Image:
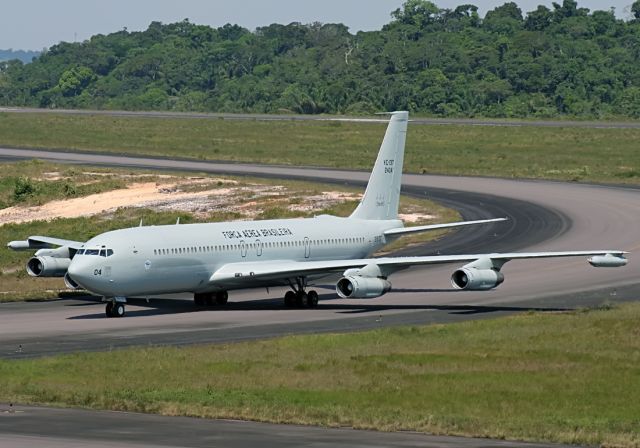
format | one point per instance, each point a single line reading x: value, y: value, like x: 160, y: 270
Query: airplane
x: 208, y: 260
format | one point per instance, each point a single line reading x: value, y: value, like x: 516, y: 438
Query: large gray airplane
x: 208, y: 260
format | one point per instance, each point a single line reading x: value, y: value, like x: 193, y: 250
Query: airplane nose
x: 78, y: 274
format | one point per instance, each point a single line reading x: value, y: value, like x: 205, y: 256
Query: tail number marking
x: 388, y: 166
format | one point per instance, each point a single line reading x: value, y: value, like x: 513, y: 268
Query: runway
x: 543, y: 216
x: 71, y: 428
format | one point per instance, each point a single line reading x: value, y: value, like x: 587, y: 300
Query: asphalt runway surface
x: 297, y: 117
x: 99, y: 429
x: 543, y: 216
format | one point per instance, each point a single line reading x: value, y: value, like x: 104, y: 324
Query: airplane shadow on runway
x: 155, y: 307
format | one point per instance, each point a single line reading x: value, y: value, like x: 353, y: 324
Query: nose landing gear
x: 115, y: 308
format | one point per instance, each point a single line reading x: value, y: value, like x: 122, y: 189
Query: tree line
x: 560, y: 61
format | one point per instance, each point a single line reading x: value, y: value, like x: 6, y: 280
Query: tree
x: 539, y: 19
x: 420, y: 13
x: 635, y: 9
x: 74, y: 80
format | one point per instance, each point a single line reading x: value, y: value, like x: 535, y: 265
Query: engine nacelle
x: 473, y: 279
x: 60, y: 252
x: 357, y: 287
x: 48, y: 266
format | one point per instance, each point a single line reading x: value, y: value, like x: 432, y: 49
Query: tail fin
x: 382, y: 196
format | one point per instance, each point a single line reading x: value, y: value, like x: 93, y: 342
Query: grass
x: 26, y: 183
x: 574, y: 154
x: 561, y: 377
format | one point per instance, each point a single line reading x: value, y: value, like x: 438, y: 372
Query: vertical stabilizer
x: 382, y: 196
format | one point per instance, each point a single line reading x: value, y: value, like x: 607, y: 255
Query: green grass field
x: 575, y: 154
x: 563, y: 377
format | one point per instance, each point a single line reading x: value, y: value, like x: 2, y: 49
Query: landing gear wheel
x: 199, y: 299
x: 208, y: 299
x: 301, y: 299
x: 222, y: 297
x: 312, y: 299
x: 289, y: 299
x: 109, y: 309
x: 118, y: 310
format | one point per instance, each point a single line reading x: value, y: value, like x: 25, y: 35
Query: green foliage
x: 431, y: 60
x: 23, y: 189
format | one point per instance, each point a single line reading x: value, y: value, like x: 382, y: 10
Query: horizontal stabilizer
x: 416, y: 229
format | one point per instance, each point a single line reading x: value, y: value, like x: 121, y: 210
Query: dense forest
x: 560, y: 61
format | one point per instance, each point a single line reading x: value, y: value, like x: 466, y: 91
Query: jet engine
x: 367, y: 282
x: 45, y: 266
x: 357, y: 287
x: 473, y: 279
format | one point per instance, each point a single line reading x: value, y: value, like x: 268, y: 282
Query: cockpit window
x: 100, y: 252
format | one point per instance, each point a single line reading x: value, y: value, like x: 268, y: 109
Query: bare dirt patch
x: 198, y: 195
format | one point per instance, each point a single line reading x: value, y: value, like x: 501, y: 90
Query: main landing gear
x: 115, y: 309
x: 298, y: 297
x: 211, y: 298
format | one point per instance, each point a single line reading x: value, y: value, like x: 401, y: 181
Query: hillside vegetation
x: 558, y: 61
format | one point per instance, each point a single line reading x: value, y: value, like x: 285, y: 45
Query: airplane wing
x: 43, y: 242
x: 415, y: 229
x: 260, y: 272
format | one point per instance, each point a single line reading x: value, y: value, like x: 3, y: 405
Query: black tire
x: 208, y: 299
x: 301, y: 300
x: 199, y: 299
x: 109, y: 309
x: 312, y: 299
x: 118, y: 310
x: 222, y: 297
x: 289, y: 299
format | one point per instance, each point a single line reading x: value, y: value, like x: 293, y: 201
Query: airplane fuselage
x: 143, y: 261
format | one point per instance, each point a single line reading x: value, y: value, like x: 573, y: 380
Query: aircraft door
x: 258, y: 248
x: 307, y: 247
x: 243, y: 249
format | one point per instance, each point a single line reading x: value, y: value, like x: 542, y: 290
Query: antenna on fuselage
x: 178, y: 221
x: 141, y: 222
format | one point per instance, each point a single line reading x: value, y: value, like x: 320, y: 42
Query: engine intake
x: 68, y: 281
x: 48, y: 266
x: 473, y: 279
x: 358, y: 287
